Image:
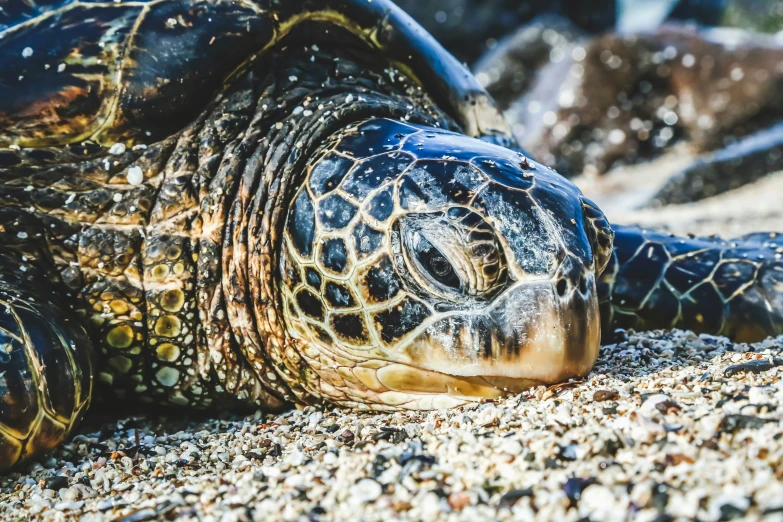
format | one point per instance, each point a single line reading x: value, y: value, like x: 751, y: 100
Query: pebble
x: 68, y: 505
x: 365, y: 490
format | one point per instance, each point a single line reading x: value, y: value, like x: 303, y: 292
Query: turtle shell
x: 80, y: 70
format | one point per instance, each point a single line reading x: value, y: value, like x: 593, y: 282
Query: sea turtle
x: 211, y: 203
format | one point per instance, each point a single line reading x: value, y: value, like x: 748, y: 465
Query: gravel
x: 669, y: 426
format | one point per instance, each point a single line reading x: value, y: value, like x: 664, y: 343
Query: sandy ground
x: 669, y: 426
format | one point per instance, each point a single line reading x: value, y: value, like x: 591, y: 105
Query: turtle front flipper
x: 709, y: 285
x: 45, y: 354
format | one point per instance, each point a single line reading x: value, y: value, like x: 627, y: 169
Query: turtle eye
x: 435, y: 264
x: 453, y: 255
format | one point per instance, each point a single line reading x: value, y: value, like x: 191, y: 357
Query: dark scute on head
x: 338, y: 296
x: 411, y: 196
x: 566, y: 211
x: 381, y: 282
x: 436, y: 144
x: 179, y: 66
x: 733, y: 275
x: 703, y: 311
x: 328, y: 173
x: 310, y: 304
x: 301, y: 224
x: 520, y: 223
x: 374, y: 137
x: 686, y: 272
x: 381, y: 205
x: 400, y: 320
x: 505, y: 172
x: 638, y: 276
x: 440, y: 181
x: 335, y: 212
x: 366, y: 239
x: 375, y: 171
x: 334, y: 255
x: 313, y: 278
x: 350, y: 328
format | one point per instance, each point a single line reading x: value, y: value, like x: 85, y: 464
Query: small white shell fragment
x: 117, y: 149
x: 365, y: 490
x: 349, y: 98
x: 27, y: 52
x: 135, y: 175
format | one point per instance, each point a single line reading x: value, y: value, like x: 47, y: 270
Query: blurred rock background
x: 646, y: 104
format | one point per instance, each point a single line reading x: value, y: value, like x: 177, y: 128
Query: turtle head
x: 422, y: 268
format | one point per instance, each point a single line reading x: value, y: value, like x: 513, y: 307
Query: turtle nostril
x: 562, y: 286
x: 582, y: 284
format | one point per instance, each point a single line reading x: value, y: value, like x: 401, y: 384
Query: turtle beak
x: 535, y: 333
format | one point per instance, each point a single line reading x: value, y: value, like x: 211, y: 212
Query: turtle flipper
x: 709, y: 285
x: 45, y: 354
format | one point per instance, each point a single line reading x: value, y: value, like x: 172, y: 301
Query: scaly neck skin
x: 303, y: 102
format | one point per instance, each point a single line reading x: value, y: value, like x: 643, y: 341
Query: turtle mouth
x: 534, y: 334
x: 414, y: 381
